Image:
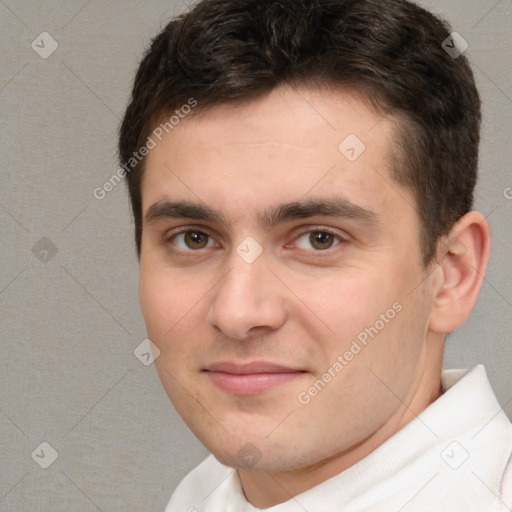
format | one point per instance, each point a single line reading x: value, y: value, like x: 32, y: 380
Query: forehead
x: 279, y: 148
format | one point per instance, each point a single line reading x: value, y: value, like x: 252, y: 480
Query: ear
x: 461, y: 264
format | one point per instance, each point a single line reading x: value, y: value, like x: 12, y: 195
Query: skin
x: 300, y: 304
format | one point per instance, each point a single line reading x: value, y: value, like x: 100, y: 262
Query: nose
x: 249, y: 298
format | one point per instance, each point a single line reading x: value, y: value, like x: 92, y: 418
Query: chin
x: 258, y: 454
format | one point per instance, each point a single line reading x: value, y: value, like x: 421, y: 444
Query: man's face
x: 251, y: 302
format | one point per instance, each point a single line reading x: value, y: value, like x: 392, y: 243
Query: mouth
x: 250, y: 378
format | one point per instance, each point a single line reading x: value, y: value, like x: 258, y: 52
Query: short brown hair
x: 224, y: 51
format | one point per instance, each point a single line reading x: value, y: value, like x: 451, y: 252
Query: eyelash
x: 169, y: 237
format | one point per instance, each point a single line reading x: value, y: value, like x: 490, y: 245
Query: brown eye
x: 195, y: 239
x: 318, y: 240
x: 191, y: 240
x: 321, y: 240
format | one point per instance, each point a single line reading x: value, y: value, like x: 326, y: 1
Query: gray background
x: 71, y: 321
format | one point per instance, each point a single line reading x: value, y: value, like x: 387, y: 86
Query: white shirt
x: 456, y: 456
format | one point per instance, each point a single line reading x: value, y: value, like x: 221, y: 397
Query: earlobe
x: 462, y: 260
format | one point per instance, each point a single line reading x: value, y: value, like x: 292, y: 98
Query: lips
x: 250, y: 378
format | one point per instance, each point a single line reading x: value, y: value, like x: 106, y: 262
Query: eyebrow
x: 336, y: 207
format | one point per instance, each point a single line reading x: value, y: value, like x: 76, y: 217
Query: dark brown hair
x: 224, y: 51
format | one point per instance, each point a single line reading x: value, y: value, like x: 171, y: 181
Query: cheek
x: 164, y: 302
x: 346, y: 301
x: 366, y: 312
x: 174, y: 308
x: 153, y: 303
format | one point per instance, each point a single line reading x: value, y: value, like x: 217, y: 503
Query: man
x: 301, y: 175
